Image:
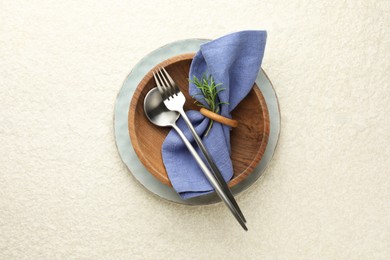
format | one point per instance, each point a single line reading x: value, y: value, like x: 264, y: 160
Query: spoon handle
x: 213, y: 181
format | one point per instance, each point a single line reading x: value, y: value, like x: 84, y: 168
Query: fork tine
x: 164, y: 87
x: 164, y: 92
x: 173, y: 84
x: 159, y: 86
x: 170, y: 88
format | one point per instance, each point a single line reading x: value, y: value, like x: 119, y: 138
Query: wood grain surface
x: 248, y: 140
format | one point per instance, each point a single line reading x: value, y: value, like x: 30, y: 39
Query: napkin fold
x: 234, y: 61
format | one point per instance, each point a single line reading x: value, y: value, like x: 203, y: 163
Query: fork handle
x: 213, y: 166
x: 213, y: 181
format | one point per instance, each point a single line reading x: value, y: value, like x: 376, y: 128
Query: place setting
x: 197, y: 121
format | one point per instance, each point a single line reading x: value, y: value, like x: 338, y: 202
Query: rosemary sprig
x: 209, y: 93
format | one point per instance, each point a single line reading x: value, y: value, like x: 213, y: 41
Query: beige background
x: 64, y: 192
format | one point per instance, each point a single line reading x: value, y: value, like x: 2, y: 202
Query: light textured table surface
x: 65, y: 193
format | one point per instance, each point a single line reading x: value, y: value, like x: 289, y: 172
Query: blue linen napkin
x: 233, y: 60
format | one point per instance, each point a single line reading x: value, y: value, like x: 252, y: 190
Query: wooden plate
x: 248, y: 140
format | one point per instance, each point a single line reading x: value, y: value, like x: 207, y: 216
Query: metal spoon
x: 159, y: 115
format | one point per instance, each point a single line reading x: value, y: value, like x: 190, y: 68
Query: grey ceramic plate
x: 122, y: 137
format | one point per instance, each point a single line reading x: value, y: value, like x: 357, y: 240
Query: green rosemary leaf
x: 222, y: 103
x: 219, y: 90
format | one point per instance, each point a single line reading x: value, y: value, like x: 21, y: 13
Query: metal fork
x: 174, y: 100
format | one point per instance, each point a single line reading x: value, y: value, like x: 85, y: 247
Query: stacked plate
x: 139, y: 142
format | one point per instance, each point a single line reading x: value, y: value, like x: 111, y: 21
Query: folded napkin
x: 234, y: 61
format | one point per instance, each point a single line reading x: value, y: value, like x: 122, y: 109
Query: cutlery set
x: 163, y: 106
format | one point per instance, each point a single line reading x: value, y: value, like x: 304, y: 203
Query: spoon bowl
x: 156, y: 111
